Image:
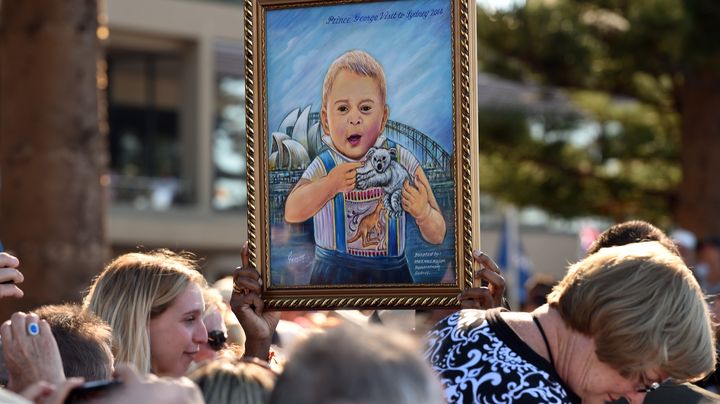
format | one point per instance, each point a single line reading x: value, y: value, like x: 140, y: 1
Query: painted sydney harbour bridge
x: 298, y: 140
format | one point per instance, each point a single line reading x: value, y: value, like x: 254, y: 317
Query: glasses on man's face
x: 217, y: 339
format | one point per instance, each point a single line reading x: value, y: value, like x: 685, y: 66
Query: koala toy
x: 382, y: 170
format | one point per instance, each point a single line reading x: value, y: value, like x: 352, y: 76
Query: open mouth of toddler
x: 354, y: 139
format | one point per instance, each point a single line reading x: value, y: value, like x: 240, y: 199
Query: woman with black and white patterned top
x: 621, y: 321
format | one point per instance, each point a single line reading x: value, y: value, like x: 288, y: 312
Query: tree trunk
x: 52, y: 152
x: 699, y: 200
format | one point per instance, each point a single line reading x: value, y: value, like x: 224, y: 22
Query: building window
x: 229, y: 165
x: 144, y: 113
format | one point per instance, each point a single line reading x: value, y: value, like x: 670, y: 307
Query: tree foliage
x: 625, y: 66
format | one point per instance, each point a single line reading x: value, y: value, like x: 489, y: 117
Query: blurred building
x: 176, y: 115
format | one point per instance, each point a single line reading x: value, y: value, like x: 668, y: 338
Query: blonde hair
x: 213, y: 300
x: 358, y: 62
x: 643, y: 308
x: 134, y: 288
x: 231, y: 380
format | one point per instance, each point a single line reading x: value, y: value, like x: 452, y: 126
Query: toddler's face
x: 354, y: 114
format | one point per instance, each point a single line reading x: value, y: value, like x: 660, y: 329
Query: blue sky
x: 415, y: 52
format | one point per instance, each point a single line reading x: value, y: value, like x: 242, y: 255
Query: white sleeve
x: 315, y: 170
x: 408, y: 160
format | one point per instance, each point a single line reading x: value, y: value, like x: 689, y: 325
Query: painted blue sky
x: 414, y: 50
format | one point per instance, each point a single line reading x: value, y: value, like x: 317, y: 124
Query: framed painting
x: 361, y: 142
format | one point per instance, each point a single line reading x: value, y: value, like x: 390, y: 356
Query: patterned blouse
x: 480, y: 359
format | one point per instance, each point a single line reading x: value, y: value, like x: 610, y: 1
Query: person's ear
x: 324, y: 120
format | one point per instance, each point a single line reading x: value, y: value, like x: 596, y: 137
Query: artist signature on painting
x: 297, y: 258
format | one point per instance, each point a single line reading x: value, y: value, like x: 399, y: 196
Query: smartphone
x: 89, y: 391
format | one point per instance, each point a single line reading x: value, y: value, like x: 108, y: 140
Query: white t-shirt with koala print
x: 358, y: 204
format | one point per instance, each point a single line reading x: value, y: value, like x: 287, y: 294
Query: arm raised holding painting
x: 488, y: 285
x: 247, y: 304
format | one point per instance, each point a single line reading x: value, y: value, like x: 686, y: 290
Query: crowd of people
x: 630, y: 322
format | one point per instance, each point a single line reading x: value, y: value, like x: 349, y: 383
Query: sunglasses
x: 217, y: 339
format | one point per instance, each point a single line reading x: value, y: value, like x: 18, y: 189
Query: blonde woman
x: 154, y: 304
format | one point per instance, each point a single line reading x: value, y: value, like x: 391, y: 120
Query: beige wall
x: 549, y: 253
x: 191, y: 28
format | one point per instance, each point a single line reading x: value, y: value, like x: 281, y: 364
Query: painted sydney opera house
x: 296, y: 142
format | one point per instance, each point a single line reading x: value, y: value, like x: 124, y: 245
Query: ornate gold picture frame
x: 362, y: 151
